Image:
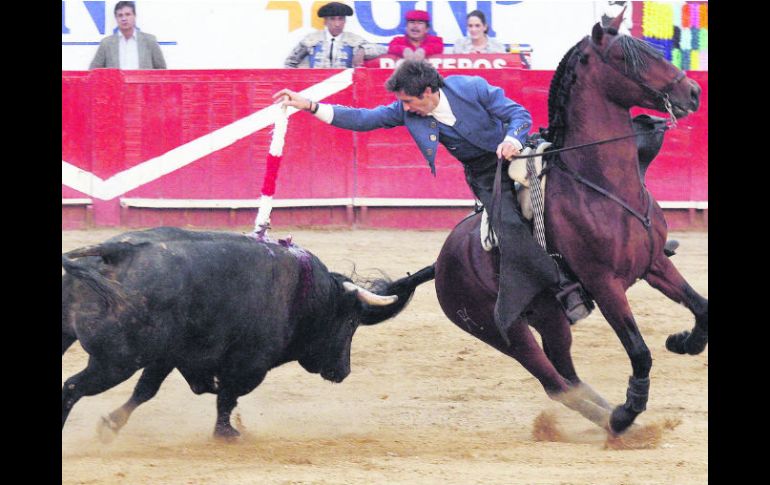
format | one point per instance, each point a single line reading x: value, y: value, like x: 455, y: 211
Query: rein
x: 601, y: 142
x: 645, y: 219
x: 662, y: 93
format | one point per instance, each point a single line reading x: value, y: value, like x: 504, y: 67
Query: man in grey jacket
x: 128, y: 48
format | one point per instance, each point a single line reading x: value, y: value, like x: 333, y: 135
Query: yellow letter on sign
x: 315, y: 21
x: 295, y: 12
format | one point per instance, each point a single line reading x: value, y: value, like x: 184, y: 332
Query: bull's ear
x: 597, y: 33
x: 366, y: 296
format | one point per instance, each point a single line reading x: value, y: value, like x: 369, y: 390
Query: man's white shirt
x: 128, y: 51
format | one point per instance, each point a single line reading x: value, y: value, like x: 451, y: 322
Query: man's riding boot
x: 572, y: 298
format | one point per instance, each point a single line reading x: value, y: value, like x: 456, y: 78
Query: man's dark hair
x: 120, y: 5
x: 412, y: 77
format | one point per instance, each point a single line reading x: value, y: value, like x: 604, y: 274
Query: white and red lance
x: 327, y: 87
x: 274, y: 157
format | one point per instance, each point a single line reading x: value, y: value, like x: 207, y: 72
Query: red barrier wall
x: 113, y: 121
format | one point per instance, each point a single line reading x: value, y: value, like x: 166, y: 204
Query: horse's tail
x: 403, y: 288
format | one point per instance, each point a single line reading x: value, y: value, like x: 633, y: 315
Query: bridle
x: 662, y: 94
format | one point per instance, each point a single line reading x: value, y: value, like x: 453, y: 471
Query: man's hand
x: 507, y: 150
x: 290, y: 98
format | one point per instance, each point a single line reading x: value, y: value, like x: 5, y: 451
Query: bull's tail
x: 403, y: 288
x: 109, y: 290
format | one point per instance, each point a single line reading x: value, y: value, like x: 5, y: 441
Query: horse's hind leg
x: 554, y: 329
x: 664, y: 277
x: 97, y: 377
x: 146, y: 388
x: 525, y: 349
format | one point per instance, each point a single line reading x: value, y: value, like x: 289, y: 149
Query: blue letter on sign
x: 96, y: 10
x: 366, y: 19
x: 64, y: 28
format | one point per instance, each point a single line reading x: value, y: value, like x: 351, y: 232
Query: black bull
x: 222, y: 308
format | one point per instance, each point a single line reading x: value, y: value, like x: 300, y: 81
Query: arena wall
x: 188, y: 147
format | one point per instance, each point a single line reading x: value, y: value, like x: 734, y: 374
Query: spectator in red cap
x: 417, y: 43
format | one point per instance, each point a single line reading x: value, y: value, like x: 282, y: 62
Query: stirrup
x: 574, y: 302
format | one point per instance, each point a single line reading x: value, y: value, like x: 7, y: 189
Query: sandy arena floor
x: 425, y: 403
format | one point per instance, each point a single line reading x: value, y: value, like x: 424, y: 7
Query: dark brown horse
x: 608, y: 241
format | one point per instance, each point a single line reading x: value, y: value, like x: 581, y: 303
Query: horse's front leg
x: 611, y: 299
x: 664, y: 277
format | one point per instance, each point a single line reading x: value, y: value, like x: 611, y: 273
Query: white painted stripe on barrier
x: 702, y: 205
x: 255, y: 203
x: 229, y: 203
x: 394, y: 202
x: 344, y: 201
x: 79, y: 179
x: 191, y: 151
x: 76, y: 201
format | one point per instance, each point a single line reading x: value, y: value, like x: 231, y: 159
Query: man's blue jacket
x: 484, y: 117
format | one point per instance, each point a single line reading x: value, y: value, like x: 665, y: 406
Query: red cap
x: 418, y: 15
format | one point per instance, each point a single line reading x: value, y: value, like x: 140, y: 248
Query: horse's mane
x: 635, y: 53
x: 558, y: 96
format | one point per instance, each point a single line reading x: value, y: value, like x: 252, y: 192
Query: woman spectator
x: 477, y: 41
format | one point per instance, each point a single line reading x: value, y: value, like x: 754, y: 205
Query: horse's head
x: 634, y: 73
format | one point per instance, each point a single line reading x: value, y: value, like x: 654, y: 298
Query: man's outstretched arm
x: 357, y: 119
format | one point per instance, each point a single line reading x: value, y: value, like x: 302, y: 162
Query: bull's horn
x: 368, y: 297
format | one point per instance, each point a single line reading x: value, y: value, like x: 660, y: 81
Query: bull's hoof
x: 226, y: 433
x: 620, y: 419
x: 107, y: 430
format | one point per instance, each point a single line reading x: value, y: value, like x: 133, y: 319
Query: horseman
x: 478, y: 125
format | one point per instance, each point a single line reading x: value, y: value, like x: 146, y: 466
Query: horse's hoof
x: 621, y: 419
x: 687, y: 342
x: 107, y: 430
x: 676, y: 342
x: 227, y: 434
